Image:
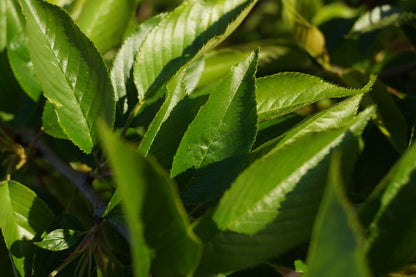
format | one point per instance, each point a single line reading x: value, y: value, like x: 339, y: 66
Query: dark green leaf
x: 220, y: 136
x: 58, y: 240
x: 18, y: 52
x: 72, y: 73
x: 3, y: 23
x: 392, y: 239
x: 23, y: 217
x: 187, y: 32
x: 337, y: 242
x: 153, y: 211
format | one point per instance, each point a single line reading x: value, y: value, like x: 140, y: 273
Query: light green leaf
x: 220, y: 137
x: 184, y: 34
x: 18, y: 52
x: 104, y: 21
x: 392, y: 239
x: 153, y: 211
x: 282, y: 93
x: 337, y: 242
x: 248, y: 209
x: 333, y: 117
x: 71, y: 71
x: 23, y: 217
x: 177, y: 112
x: 114, y: 211
x: 50, y: 122
x: 58, y: 240
x: 380, y: 17
x: 121, y: 71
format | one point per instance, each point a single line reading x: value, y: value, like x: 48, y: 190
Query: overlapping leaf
x: 333, y: 117
x: 177, y: 112
x: 220, y: 136
x: 123, y: 63
x: 337, y: 242
x: 104, y: 21
x: 191, y: 29
x: 23, y: 217
x: 282, y: 93
x: 71, y: 71
x: 392, y: 239
x: 153, y: 211
x: 18, y: 52
x: 284, y: 227
x: 248, y: 209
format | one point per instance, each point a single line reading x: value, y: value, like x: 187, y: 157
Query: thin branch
x: 81, y: 180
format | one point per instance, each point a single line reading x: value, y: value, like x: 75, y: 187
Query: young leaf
x: 123, y: 63
x: 58, y: 240
x: 220, y: 136
x: 71, y: 71
x: 177, y: 112
x: 337, y: 241
x: 333, y: 117
x: 392, y: 239
x: 248, y: 209
x: 23, y: 217
x: 50, y: 122
x: 282, y: 93
x: 153, y: 211
x: 187, y: 32
x: 18, y: 52
x: 104, y: 21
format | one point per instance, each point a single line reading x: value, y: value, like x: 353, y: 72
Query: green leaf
x: 333, y: 117
x: 380, y: 17
x: 337, y: 241
x: 50, y: 122
x: 71, y: 71
x: 177, y: 112
x: 153, y: 211
x: 3, y: 24
x: 220, y: 136
x: 114, y: 211
x: 104, y: 21
x: 123, y: 64
x: 18, y: 52
x: 282, y: 93
x: 392, y: 239
x: 248, y: 209
x: 227, y: 251
x: 58, y: 240
x: 23, y: 217
x: 184, y: 34
x: 388, y: 117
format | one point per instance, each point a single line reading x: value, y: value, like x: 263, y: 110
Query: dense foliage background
x: 207, y: 138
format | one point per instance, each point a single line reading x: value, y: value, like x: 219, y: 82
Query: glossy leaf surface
x: 23, y: 217
x: 71, y: 71
x: 190, y: 30
x: 153, y: 211
x: 248, y: 209
x: 282, y: 93
x: 18, y: 52
x: 220, y: 136
x: 50, y: 122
